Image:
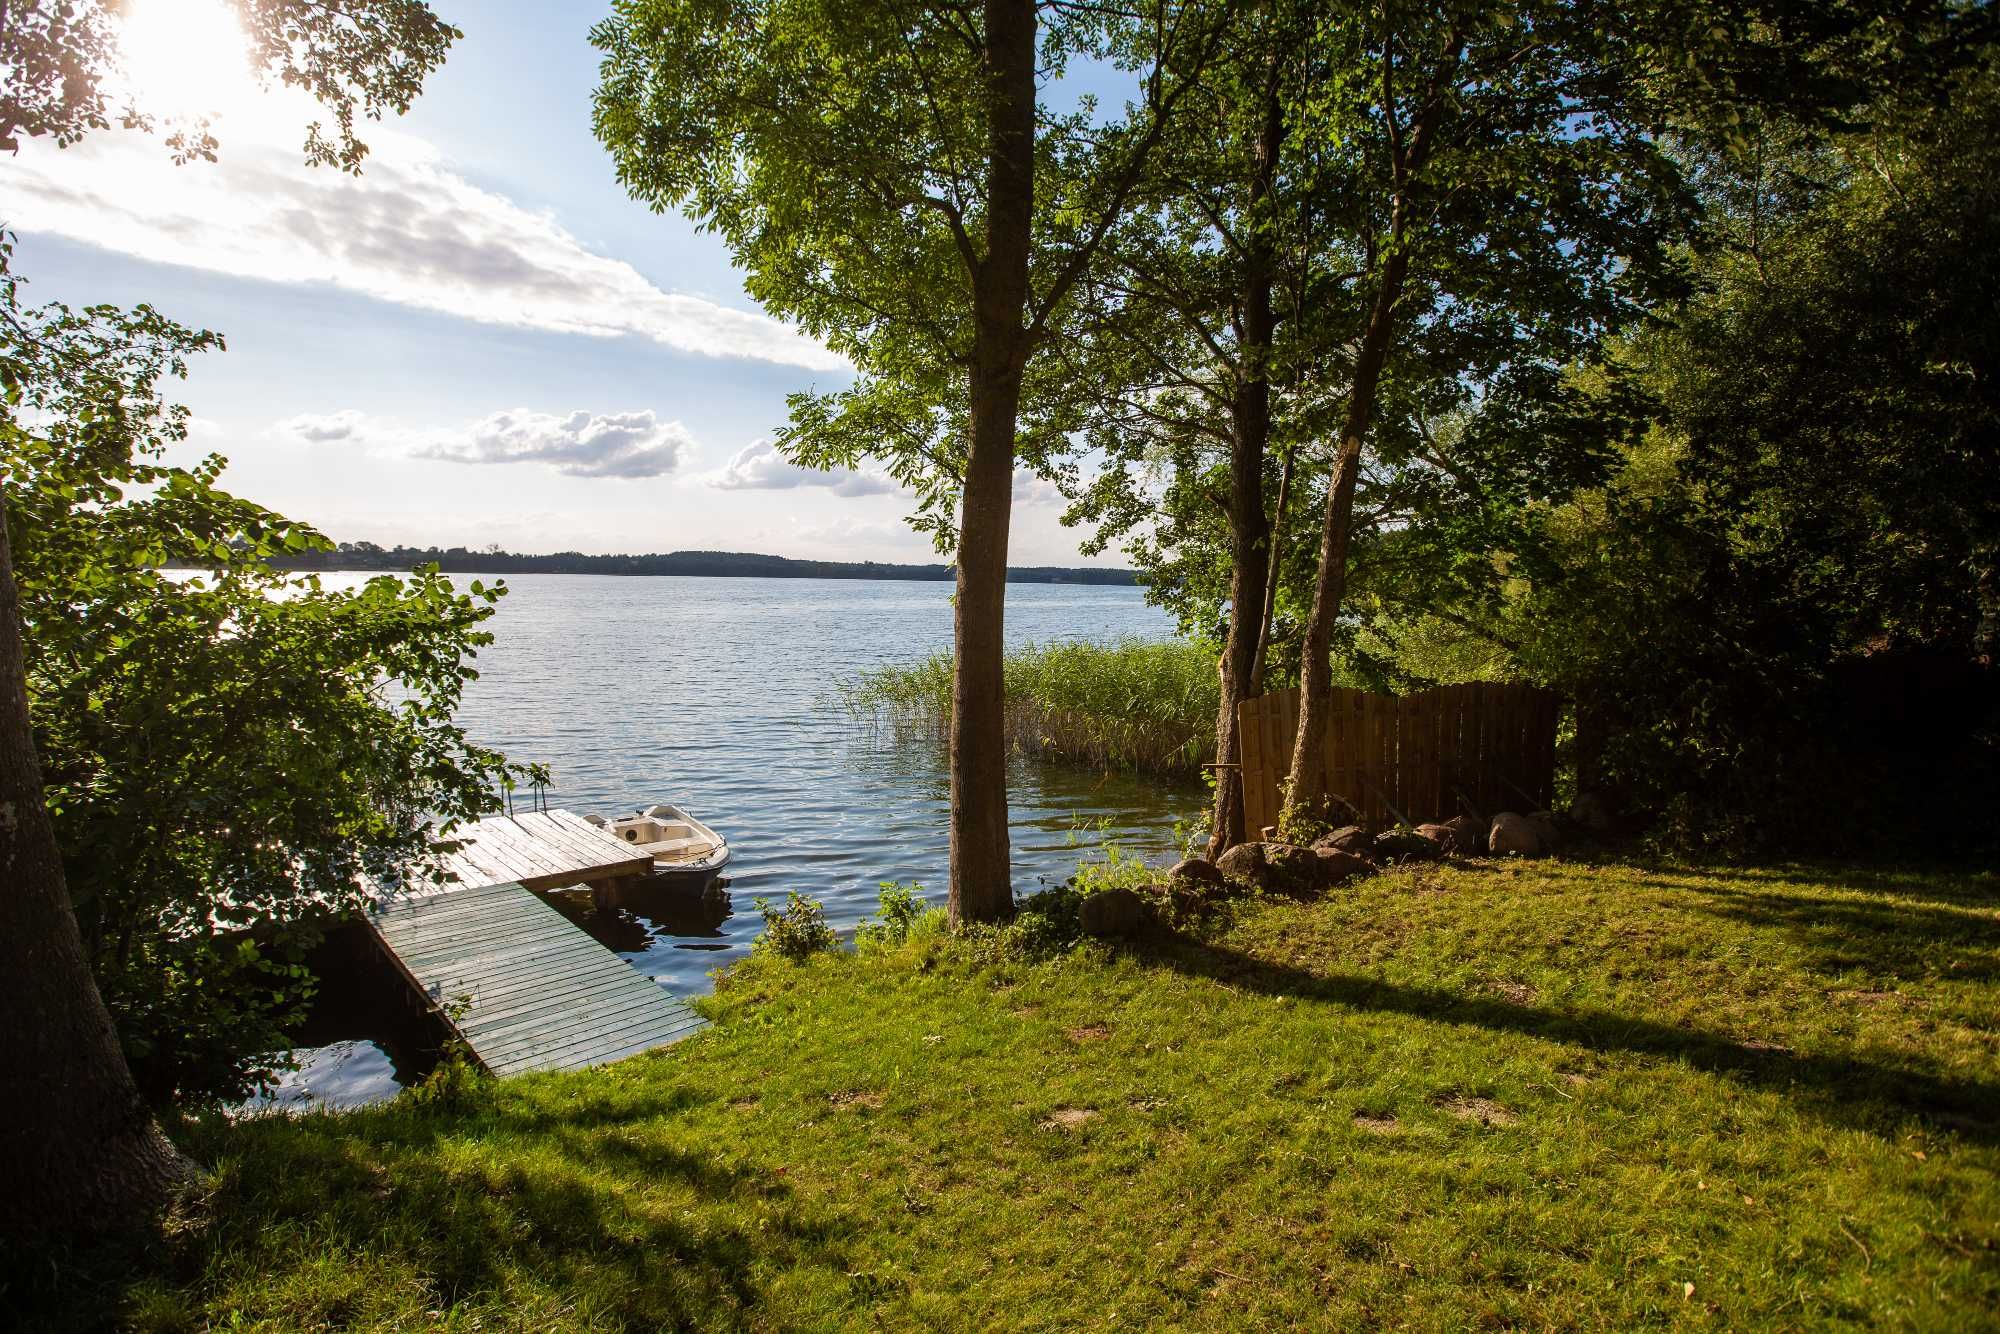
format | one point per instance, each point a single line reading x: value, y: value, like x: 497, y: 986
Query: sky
x: 481, y: 340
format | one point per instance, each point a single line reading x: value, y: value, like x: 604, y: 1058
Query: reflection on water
x: 350, y: 1073
x: 721, y: 695
x: 631, y: 915
x: 364, y: 1036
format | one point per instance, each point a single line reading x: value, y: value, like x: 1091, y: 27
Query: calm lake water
x: 722, y: 695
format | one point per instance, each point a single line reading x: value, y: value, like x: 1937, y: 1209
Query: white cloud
x: 409, y: 230
x: 578, y: 444
x: 1032, y: 490
x: 320, y: 427
x: 759, y: 466
x: 582, y: 444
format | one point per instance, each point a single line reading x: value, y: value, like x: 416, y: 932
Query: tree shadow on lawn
x: 486, y: 1208
x: 1959, y: 886
x: 1884, y: 937
x: 1848, y: 1091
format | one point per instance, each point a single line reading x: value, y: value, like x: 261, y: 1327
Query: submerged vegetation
x: 1135, y: 704
x: 1497, y: 1094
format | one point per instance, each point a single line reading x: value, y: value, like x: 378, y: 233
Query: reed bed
x: 1134, y: 704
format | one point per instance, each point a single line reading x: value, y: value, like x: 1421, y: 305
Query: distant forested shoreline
x: 713, y: 564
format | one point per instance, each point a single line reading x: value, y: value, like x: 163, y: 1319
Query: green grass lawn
x: 1499, y: 1095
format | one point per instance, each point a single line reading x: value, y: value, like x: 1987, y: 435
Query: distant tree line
x: 709, y: 564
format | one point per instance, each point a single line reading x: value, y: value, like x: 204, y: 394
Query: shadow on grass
x: 1886, y: 938
x: 1956, y: 886
x: 505, y: 1209
x: 1846, y: 1090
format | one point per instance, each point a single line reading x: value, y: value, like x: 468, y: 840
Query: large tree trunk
x: 1305, y: 788
x: 79, y: 1151
x: 982, y: 888
x: 1249, y: 532
x: 1249, y: 526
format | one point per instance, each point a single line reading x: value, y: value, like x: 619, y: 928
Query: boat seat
x: 671, y: 847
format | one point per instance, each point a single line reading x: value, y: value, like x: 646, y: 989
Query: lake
x: 722, y: 695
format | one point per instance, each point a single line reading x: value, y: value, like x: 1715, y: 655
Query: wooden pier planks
x: 538, y: 850
x: 538, y: 994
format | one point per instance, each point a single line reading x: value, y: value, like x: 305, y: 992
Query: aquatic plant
x: 1134, y: 704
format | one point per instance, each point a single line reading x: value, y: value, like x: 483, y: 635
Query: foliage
x: 1532, y: 1095
x: 366, y: 56
x: 842, y: 151
x: 796, y: 931
x: 1136, y: 704
x: 903, y: 914
x: 222, y: 753
x: 1771, y: 619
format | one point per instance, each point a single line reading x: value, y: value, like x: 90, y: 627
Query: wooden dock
x: 538, y: 850
x: 521, y: 984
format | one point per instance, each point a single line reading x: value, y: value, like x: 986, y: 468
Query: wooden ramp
x: 539, y: 850
x: 538, y: 993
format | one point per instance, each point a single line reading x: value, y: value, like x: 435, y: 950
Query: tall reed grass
x: 1135, y: 704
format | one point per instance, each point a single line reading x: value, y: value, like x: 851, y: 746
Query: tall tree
x: 1512, y: 193
x: 1175, y: 351
x: 1511, y: 202
x: 890, y: 176
x: 78, y: 1148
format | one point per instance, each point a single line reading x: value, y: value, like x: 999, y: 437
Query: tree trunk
x: 1305, y: 787
x: 1271, y: 578
x: 1250, y: 534
x: 982, y: 888
x: 79, y: 1151
x: 1249, y: 526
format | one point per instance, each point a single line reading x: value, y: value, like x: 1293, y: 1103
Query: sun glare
x: 186, y: 59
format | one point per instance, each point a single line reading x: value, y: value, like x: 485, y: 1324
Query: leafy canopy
x: 224, y: 752
x: 352, y: 56
x: 842, y: 151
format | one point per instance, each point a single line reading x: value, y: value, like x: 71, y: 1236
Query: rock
x: 1350, y: 838
x: 1243, y: 862
x: 1197, y: 869
x: 1591, y: 812
x: 1446, y: 839
x: 1405, y: 845
x: 1337, y: 867
x: 1468, y: 834
x: 1292, y: 869
x: 1274, y: 867
x: 1512, y: 834
x: 1546, y: 830
x: 1115, y: 912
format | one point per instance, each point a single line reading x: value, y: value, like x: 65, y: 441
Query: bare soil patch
x: 1483, y: 1110
x: 1067, y: 1118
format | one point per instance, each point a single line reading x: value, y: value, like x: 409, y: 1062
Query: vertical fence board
x: 1251, y: 765
x: 1429, y: 756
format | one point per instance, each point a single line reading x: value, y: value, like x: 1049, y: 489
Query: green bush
x: 796, y: 931
x: 903, y: 914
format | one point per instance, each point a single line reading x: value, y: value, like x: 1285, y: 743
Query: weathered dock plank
x: 522, y: 985
x: 539, y: 850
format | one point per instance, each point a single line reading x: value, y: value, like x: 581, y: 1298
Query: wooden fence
x: 1423, y: 757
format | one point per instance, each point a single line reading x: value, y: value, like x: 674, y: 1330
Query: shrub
x: 796, y: 931
x: 903, y: 913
